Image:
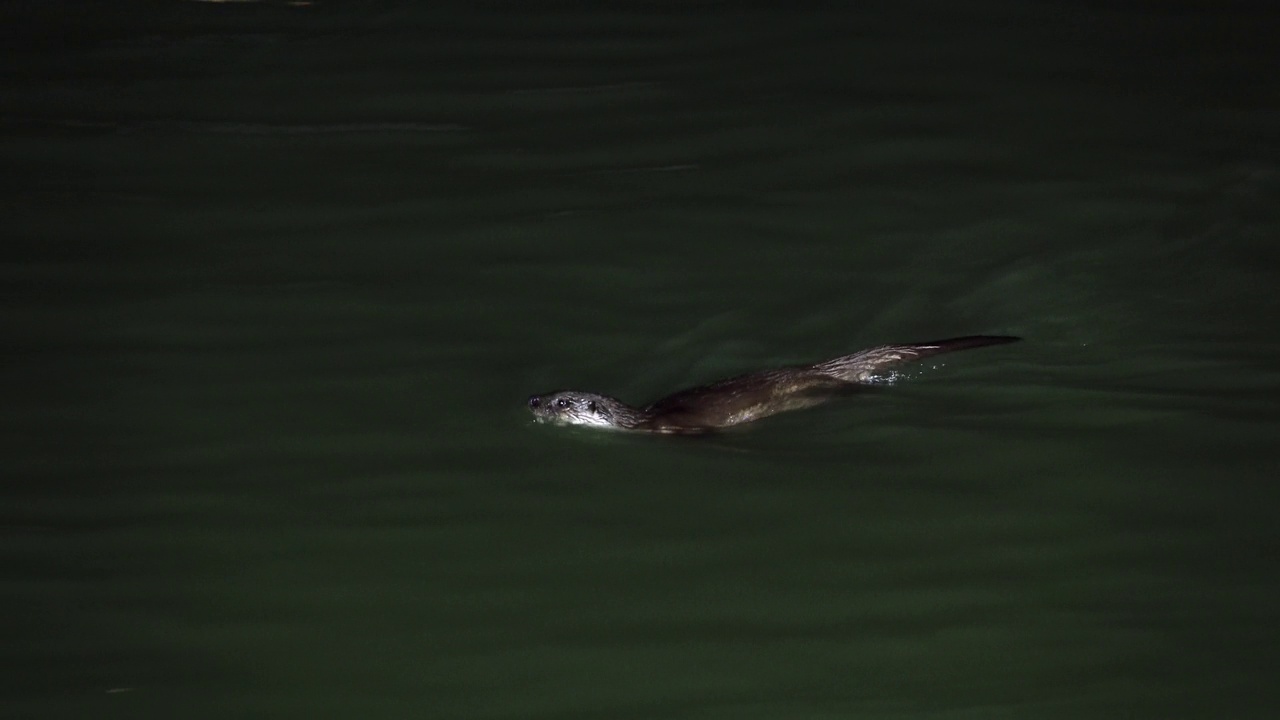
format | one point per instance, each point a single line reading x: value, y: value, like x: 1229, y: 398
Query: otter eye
x: 591, y: 406
x: 562, y: 403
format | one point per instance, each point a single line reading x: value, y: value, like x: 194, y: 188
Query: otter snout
x: 570, y: 407
x: 540, y: 407
x: 549, y: 407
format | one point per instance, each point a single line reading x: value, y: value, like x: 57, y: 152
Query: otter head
x: 570, y: 407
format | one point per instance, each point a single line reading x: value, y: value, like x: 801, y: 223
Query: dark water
x: 277, y: 280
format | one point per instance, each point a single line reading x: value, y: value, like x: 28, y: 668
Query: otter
x: 743, y: 398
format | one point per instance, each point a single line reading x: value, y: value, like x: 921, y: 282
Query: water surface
x: 278, y: 280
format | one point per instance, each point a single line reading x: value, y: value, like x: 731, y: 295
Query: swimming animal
x: 743, y: 398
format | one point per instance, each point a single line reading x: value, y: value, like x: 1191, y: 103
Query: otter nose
x: 534, y: 401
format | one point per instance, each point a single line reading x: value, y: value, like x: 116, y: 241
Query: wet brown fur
x: 758, y: 395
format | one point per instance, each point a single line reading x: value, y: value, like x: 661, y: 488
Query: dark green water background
x: 277, y: 281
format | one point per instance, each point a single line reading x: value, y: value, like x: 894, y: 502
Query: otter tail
x: 860, y: 367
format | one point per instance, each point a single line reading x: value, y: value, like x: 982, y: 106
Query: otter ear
x: 591, y: 406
